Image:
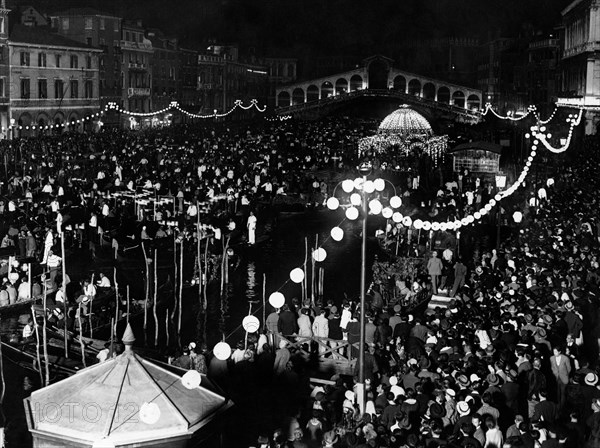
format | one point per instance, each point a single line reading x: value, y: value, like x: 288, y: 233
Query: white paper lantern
x: 277, y: 300
x: 418, y: 224
x: 387, y: 212
x: 358, y: 183
x: 450, y: 225
x: 477, y: 215
x: 464, y: 222
x: 149, y: 413
x: 319, y: 255
x: 435, y: 226
x: 498, y: 197
x: 222, y: 351
x: 337, y: 233
x: 379, y: 184
x: 517, y: 217
x: 407, y: 221
x: 444, y: 226
x: 397, y: 217
x: 347, y: 185
x: 191, y: 379
x: 297, y: 275
x: 470, y: 219
x: 251, y: 324
x: 333, y: 203
x: 375, y: 206
x: 355, y: 199
x: 369, y: 186
x: 488, y: 207
x: 352, y: 213
x: 396, y: 202
x: 492, y: 202
x: 426, y: 226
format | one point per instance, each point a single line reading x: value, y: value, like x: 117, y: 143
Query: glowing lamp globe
x: 150, y: 413
x: 276, y: 300
x: 498, y: 197
x: 418, y: 224
x: 450, y: 225
x: 251, y: 324
x: 407, y: 221
x: 352, y: 213
x: 375, y: 206
x: 397, y: 217
x: 355, y: 199
x: 191, y: 379
x: 488, y: 207
x: 358, y: 183
x: 477, y: 215
x: 333, y: 203
x: 319, y: 255
x: 222, y: 351
x: 435, y: 226
x: 457, y: 224
x: 379, y: 184
x: 517, y: 217
x: 426, y: 226
x: 387, y: 212
x: 396, y: 202
x: 297, y: 275
x: 369, y: 186
x: 348, y: 185
x: 337, y: 233
x: 470, y: 219
x: 464, y: 222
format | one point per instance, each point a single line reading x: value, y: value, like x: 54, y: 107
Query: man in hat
x: 434, y: 268
x: 561, y: 368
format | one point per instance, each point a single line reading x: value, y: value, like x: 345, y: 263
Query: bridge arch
x: 473, y: 102
x: 400, y: 83
x: 283, y: 99
x: 312, y: 93
x: 458, y: 98
x: 326, y: 89
x: 341, y: 86
x: 443, y: 95
x: 429, y: 91
x: 414, y: 87
x: 298, y: 96
x: 356, y: 83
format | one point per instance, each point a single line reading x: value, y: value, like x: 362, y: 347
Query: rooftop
x: 42, y: 36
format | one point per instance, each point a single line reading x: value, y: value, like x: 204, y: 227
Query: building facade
x: 189, y: 95
x: 4, y: 71
x: 100, y: 30
x: 541, y: 73
x: 580, y: 59
x: 166, y: 69
x: 211, y: 69
x: 54, y: 80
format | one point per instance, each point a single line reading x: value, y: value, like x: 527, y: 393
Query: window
x: 101, y: 61
x: 2, y: 93
x: 2, y: 25
x: 65, y: 23
x: 127, y: 35
x: 88, y: 23
x: 42, y: 88
x: 41, y: 59
x: 59, y: 88
x: 88, y: 40
x: 25, y: 88
x: 74, y: 61
x: 102, y: 23
x: 25, y: 58
x: 116, y: 26
x: 74, y: 88
x: 57, y: 60
x: 89, y: 89
x: 88, y: 62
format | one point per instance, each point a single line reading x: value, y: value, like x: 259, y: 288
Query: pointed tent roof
x: 405, y: 121
x: 478, y: 145
x: 111, y: 401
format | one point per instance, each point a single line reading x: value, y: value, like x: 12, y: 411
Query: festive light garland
x: 238, y: 103
x: 488, y: 108
x: 539, y: 133
x: 279, y: 118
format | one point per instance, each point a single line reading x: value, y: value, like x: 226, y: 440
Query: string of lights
x: 539, y: 134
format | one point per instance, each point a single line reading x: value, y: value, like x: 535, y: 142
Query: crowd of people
x: 510, y: 361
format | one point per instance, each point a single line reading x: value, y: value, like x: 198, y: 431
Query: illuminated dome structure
x: 405, y: 131
x: 405, y: 121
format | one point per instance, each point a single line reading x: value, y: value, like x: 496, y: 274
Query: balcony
x: 138, y: 91
x: 137, y: 66
x: 127, y: 45
x: 585, y: 47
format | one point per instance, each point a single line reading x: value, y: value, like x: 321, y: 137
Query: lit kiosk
x: 125, y: 401
x: 477, y: 157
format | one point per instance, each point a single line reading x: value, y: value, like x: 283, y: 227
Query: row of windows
x: 65, y: 23
x: 59, y: 89
x: 43, y: 60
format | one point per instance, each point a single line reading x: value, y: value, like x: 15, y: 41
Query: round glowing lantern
x: 395, y: 201
x: 297, y: 275
x: 337, y: 233
x: 222, y: 351
x: 319, y: 255
x: 276, y: 300
x: 251, y: 324
x: 333, y: 203
x: 352, y: 213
